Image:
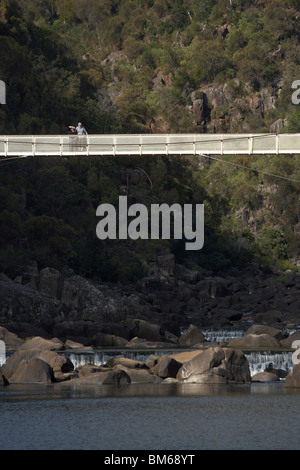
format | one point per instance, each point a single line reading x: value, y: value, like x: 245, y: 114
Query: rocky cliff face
x: 72, y: 307
x: 221, y: 107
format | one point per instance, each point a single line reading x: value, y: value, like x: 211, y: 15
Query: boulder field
x: 212, y: 365
x: 41, y: 360
x: 50, y: 303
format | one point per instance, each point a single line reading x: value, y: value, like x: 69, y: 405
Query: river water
x: 161, y: 417
x: 150, y: 417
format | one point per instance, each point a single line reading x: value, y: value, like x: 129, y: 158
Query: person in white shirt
x: 81, y: 132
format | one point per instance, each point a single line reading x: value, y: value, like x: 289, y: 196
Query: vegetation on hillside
x: 149, y: 66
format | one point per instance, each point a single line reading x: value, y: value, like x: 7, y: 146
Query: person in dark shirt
x: 72, y: 140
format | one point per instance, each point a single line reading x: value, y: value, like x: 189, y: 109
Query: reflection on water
x: 149, y: 416
x: 17, y: 392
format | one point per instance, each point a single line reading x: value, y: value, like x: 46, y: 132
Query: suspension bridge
x: 148, y: 144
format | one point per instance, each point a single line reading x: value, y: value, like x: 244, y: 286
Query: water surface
x: 150, y: 417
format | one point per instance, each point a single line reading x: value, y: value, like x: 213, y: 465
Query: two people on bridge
x: 78, y: 140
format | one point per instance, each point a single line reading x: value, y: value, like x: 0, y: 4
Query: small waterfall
x: 98, y: 358
x: 218, y: 335
x: 259, y: 361
x: 2, y: 353
x: 80, y: 358
x: 2, y: 359
x: 221, y: 335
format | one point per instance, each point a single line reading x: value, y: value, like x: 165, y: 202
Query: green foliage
x: 272, y: 244
x: 95, y: 61
x: 50, y: 240
x: 120, y: 66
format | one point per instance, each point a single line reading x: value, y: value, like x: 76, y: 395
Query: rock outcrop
x: 30, y: 371
x: 56, y: 362
x: 264, y: 377
x: 69, y: 307
x: 216, y: 365
x: 251, y: 341
x: 191, y: 337
x: 293, y: 378
x: 166, y: 366
x: 11, y: 340
x: 258, y: 336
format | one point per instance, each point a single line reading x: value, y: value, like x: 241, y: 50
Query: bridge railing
x: 149, y: 144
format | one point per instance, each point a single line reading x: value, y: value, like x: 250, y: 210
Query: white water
x: 2, y: 359
x: 222, y: 335
x: 258, y: 361
x: 98, y: 358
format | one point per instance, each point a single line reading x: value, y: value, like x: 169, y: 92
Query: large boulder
x: 264, y: 377
x: 126, y: 362
x: 52, y: 358
x: 42, y: 344
x: 293, y: 378
x: 251, y: 341
x: 216, y: 365
x: 138, y: 375
x: 57, y: 362
x: 2, y: 378
x: 288, y: 342
x: 140, y: 343
x: 21, y: 303
x: 51, y: 283
x: 88, y: 369
x: 33, y: 370
x: 191, y: 337
x: 104, y: 377
x: 11, y: 340
x: 166, y: 367
x: 74, y: 345
x: 185, y: 356
x: 145, y: 330
x: 264, y: 329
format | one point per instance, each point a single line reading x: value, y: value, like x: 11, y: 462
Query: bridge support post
x: 33, y: 146
x: 5, y: 146
x: 250, y: 142
x: 277, y: 144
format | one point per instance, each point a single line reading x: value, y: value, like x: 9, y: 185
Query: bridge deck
x: 149, y: 144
